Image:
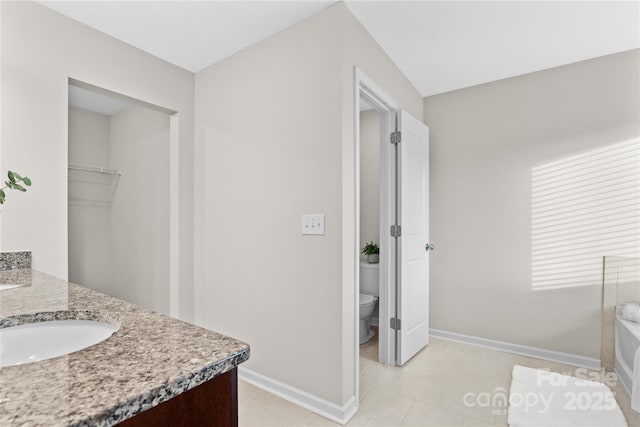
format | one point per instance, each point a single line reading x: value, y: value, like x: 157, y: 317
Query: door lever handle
x: 429, y: 247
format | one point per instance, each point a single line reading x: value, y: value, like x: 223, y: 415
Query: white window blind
x: 584, y: 207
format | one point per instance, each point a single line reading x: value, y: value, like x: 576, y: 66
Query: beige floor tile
x: 384, y: 408
x: 633, y: 417
x: 474, y: 422
x: 369, y: 350
x: 381, y: 376
x: 501, y: 420
x: 318, y: 421
x: 448, y: 393
x: 365, y: 387
x: 366, y: 364
x: 453, y: 359
x: 428, y: 391
x: 421, y: 414
x: 259, y: 408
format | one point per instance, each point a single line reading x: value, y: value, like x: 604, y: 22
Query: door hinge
x: 395, y: 323
x: 396, y: 137
x: 396, y: 230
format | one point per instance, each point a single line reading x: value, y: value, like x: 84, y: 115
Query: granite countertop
x: 148, y: 360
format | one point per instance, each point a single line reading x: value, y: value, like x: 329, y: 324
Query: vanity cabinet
x: 151, y: 365
x: 213, y: 403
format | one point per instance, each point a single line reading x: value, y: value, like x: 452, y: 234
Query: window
x: 584, y: 207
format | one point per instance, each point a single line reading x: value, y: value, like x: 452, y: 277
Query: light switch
x: 313, y: 224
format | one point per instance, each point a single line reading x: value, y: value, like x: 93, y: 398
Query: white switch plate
x: 313, y: 224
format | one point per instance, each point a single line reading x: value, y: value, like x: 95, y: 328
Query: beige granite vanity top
x: 148, y: 360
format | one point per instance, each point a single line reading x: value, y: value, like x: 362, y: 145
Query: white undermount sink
x: 4, y: 286
x: 33, y: 342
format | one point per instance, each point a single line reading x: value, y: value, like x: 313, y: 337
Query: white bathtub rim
x: 623, y: 371
x: 623, y: 379
x: 632, y: 327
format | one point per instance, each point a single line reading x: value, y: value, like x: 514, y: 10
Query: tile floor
x: 428, y: 391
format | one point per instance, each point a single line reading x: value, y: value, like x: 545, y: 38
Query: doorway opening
x: 401, y: 181
x: 122, y: 212
x: 370, y: 298
x: 375, y: 210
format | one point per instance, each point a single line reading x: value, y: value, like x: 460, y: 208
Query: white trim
x: 523, y: 350
x: 366, y: 88
x: 174, y: 216
x: 110, y: 93
x: 336, y: 413
x: 356, y: 235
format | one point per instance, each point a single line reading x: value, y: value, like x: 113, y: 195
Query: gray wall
x: 139, y: 219
x: 89, y: 201
x: 484, y: 142
x: 268, y: 125
x: 36, y: 67
x: 275, y: 140
x: 369, y: 177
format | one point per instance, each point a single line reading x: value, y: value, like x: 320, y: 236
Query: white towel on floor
x: 541, y: 398
x: 635, y: 378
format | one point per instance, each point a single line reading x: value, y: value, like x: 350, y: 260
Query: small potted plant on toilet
x: 372, y: 251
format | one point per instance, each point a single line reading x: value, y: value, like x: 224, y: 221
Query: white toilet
x: 369, y: 292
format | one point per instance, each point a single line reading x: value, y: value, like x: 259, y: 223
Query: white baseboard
x: 538, y: 353
x: 336, y: 413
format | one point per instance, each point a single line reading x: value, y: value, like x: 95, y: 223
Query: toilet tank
x: 369, y: 278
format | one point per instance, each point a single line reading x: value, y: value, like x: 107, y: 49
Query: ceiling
x: 443, y: 46
x: 190, y: 34
x: 97, y: 102
x: 439, y: 45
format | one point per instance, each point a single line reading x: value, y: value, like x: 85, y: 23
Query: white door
x: 413, y: 214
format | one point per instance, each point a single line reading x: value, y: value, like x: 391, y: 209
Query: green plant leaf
x: 370, y: 248
x: 13, y: 183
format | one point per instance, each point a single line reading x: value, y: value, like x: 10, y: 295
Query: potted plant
x: 372, y: 251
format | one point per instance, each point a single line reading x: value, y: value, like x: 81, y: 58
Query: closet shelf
x: 105, y: 171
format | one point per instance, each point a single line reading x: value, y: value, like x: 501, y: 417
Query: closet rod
x: 95, y: 169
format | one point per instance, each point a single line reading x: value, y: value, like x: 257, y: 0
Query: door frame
x: 366, y: 88
x: 174, y: 185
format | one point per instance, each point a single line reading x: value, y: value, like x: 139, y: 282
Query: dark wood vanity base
x: 213, y: 403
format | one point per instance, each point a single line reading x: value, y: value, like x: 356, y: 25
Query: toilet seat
x: 366, y: 299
